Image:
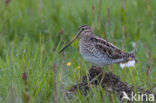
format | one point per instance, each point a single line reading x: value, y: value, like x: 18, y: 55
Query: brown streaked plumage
x: 98, y: 50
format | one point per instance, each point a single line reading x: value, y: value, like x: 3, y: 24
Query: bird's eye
x: 83, y: 29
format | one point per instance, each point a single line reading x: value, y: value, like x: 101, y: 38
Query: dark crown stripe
x: 83, y: 26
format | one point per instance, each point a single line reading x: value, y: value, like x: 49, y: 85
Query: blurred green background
x: 33, y: 31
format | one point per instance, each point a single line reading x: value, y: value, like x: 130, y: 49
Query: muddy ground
x: 109, y: 82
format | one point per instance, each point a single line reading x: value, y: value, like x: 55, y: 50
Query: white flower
x: 128, y: 64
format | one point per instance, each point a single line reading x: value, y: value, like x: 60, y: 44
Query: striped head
x: 83, y: 30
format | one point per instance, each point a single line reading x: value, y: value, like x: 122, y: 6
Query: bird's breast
x: 89, y: 53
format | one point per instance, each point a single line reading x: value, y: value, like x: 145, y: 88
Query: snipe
x: 98, y: 50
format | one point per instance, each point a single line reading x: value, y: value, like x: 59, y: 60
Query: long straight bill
x: 70, y: 42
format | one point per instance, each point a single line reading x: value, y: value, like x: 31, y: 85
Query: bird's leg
x: 95, y: 78
x: 110, y: 68
x: 103, y: 72
x: 103, y: 76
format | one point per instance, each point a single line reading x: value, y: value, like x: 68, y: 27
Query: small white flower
x: 122, y: 65
x: 128, y: 64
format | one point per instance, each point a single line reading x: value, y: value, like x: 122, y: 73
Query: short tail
x: 129, y: 57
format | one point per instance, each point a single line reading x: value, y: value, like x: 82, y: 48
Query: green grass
x: 29, y: 36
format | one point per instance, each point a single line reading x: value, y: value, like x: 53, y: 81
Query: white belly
x: 97, y: 61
